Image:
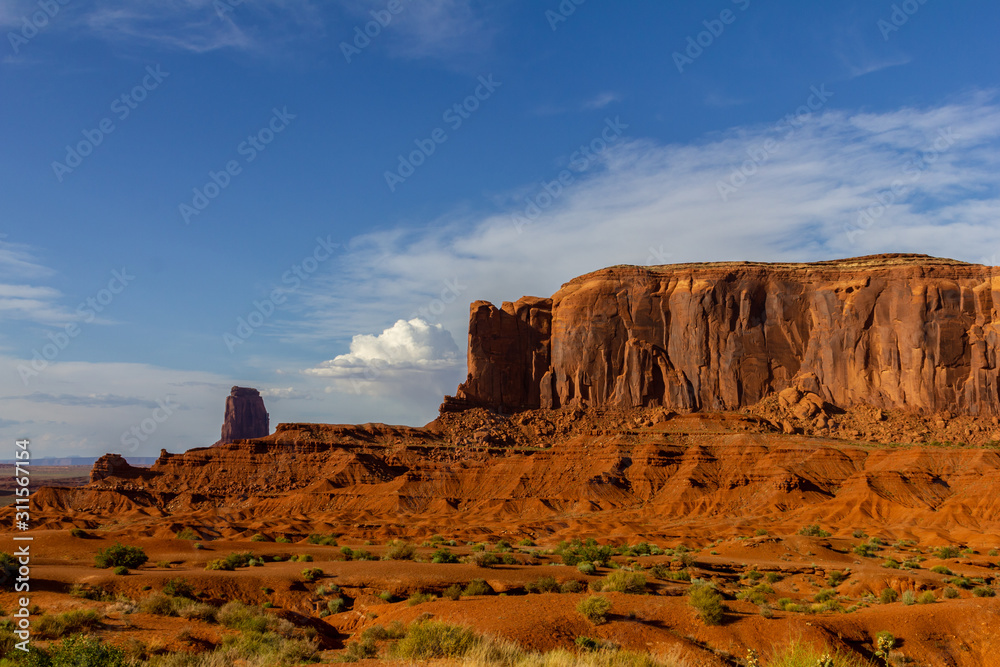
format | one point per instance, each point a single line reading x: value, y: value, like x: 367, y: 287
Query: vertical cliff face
x: 893, y: 331
x: 508, y: 355
x: 245, y: 415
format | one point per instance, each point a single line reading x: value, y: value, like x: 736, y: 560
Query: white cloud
x: 601, y: 101
x: 285, y: 393
x: 412, y: 345
x: 431, y: 28
x: 21, y: 301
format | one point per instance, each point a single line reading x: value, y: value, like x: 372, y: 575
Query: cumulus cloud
x: 412, y: 345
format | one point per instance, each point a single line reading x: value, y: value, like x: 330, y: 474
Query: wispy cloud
x: 433, y: 28
x: 23, y: 301
x: 196, y: 26
x: 87, y: 401
x: 602, y: 100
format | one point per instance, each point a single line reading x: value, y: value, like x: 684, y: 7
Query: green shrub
x: 984, y: 592
x: 586, y: 567
x: 865, y: 549
x: 159, y: 604
x: 813, y: 531
x: 444, y: 556
x: 258, y: 537
x: 178, y: 587
x: 485, y: 559
x: 427, y: 640
x: 281, y: 539
x: 231, y: 562
x: 595, y: 609
x: 576, y: 552
x: 54, y: 626
x: 909, y: 598
x: 325, y: 540
x: 891, y: 563
x: 708, y: 603
x: 79, y: 533
x: 478, y: 587
x: 198, y: 545
x: 80, y: 651
x: 944, y: 553
x: 927, y: 597
x: 399, y: 550
x: 951, y: 593
x: 188, y: 534
x: 756, y: 594
x: 120, y: 555
x: 572, y: 586
x: 625, y: 582
x: 453, y: 592
x: 542, y: 585
x: 121, y: 570
x: 835, y: 579
x: 311, y: 574
x: 888, y: 596
x: 247, y: 618
x: 192, y: 610
x: 941, y: 569
x: 419, y: 598
x: 336, y: 605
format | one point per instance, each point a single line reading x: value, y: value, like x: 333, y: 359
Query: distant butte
x: 245, y: 415
x: 895, y: 331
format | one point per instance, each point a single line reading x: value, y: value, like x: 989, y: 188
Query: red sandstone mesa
x: 892, y: 331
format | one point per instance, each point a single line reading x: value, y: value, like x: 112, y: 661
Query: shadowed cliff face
x: 245, y: 415
x: 892, y: 331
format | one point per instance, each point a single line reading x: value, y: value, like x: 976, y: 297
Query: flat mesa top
x: 851, y: 263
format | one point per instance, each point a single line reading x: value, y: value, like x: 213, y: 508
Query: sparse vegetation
x: 398, y: 550
x: 625, y: 582
x: 576, y: 552
x: 231, y: 562
x: 311, y: 574
x: 188, y: 534
x: 708, y: 603
x: 120, y: 555
x: 55, y: 626
x: 595, y: 609
x: 813, y: 530
x: 478, y: 587
x: 542, y: 585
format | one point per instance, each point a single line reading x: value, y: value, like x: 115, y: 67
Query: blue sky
x: 196, y: 194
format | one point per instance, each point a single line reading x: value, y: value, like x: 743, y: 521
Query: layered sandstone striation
x: 245, y: 415
x: 891, y: 331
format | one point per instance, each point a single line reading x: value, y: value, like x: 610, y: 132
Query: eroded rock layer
x: 891, y: 331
